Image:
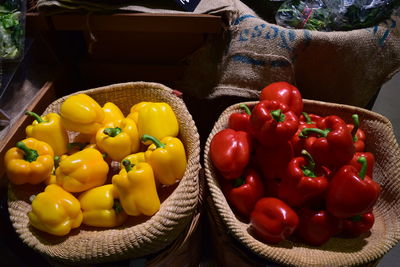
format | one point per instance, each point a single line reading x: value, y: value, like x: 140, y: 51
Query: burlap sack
x: 337, y: 251
x: 140, y: 236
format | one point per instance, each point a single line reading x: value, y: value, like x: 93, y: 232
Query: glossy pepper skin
x: 30, y: 161
x: 230, y: 152
x: 82, y: 171
x: 333, y: 146
x: 243, y: 193
x: 156, y: 119
x: 285, y: 93
x: 136, y: 188
x: 357, y: 134
x: 135, y: 158
x: 55, y: 211
x: 316, y: 227
x: 273, y: 162
x: 81, y: 113
x: 112, y: 113
x: 167, y: 158
x: 272, y: 123
x: 309, y: 118
x: 370, y: 162
x: 48, y: 129
x: 358, y: 225
x: 118, y: 140
x: 303, y: 181
x: 305, y: 121
x: 272, y: 220
x: 101, y: 207
x: 240, y: 121
x: 350, y: 192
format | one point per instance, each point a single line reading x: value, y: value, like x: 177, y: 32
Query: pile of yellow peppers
x: 81, y: 183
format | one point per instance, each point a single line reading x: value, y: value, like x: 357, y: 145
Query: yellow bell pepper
x: 30, y: 161
x: 82, y: 171
x: 101, y: 207
x: 136, y: 188
x: 112, y: 113
x: 119, y: 140
x: 156, y: 119
x: 167, y: 158
x: 81, y: 113
x: 134, y: 158
x: 50, y: 130
x: 52, y: 178
x: 55, y: 211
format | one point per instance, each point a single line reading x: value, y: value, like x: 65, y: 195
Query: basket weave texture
x: 337, y: 251
x: 138, y: 237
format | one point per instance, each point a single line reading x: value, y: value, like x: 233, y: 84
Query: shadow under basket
x: 365, y: 249
x: 139, y: 237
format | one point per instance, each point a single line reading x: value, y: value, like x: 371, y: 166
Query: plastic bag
x: 330, y: 15
x: 12, y: 29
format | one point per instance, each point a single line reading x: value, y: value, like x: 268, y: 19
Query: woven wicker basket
x: 337, y: 251
x: 140, y: 236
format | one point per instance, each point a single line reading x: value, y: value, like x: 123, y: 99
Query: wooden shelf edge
x: 136, y: 22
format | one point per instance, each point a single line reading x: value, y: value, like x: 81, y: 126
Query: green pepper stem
x: 356, y: 123
x: 307, y: 117
x: 29, y: 154
x: 309, y: 169
x: 304, y: 133
x: 238, y: 182
x: 56, y: 161
x: 35, y: 115
x: 356, y: 218
x: 278, y: 115
x: 364, y: 165
x: 117, y: 206
x: 157, y: 142
x: 127, y: 164
x: 245, y: 108
x: 79, y: 145
x: 112, y: 132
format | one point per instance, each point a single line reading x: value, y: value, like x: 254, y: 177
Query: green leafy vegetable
x: 11, y: 33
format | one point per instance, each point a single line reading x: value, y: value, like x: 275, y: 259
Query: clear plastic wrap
x: 12, y: 29
x: 331, y: 15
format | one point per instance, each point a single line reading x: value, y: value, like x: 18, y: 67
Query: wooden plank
x: 42, y: 99
x: 35, y: 21
x: 139, y: 22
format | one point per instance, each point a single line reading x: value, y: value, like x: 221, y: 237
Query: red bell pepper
x: 272, y: 220
x: 273, y: 162
x: 285, y: 93
x: 303, y: 181
x: 359, y: 224
x: 272, y: 123
x: 243, y: 193
x: 357, y: 134
x: 316, y: 227
x: 333, y: 147
x: 230, y: 152
x: 240, y: 121
x: 308, y: 118
x: 351, y: 193
x: 370, y: 162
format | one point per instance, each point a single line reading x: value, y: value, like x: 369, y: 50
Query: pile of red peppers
x: 294, y: 175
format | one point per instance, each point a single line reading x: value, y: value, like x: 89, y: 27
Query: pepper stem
x: 304, y: 133
x: 112, y: 132
x: 309, y: 169
x: 363, y: 170
x: 238, y: 182
x: 56, y: 161
x: 157, y: 142
x: 356, y: 123
x: 127, y: 164
x: 278, y: 115
x: 117, y: 206
x: 356, y: 218
x: 245, y: 108
x: 79, y: 145
x: 35, y: 115
x: 307, y: 117
x: 29, y: 154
